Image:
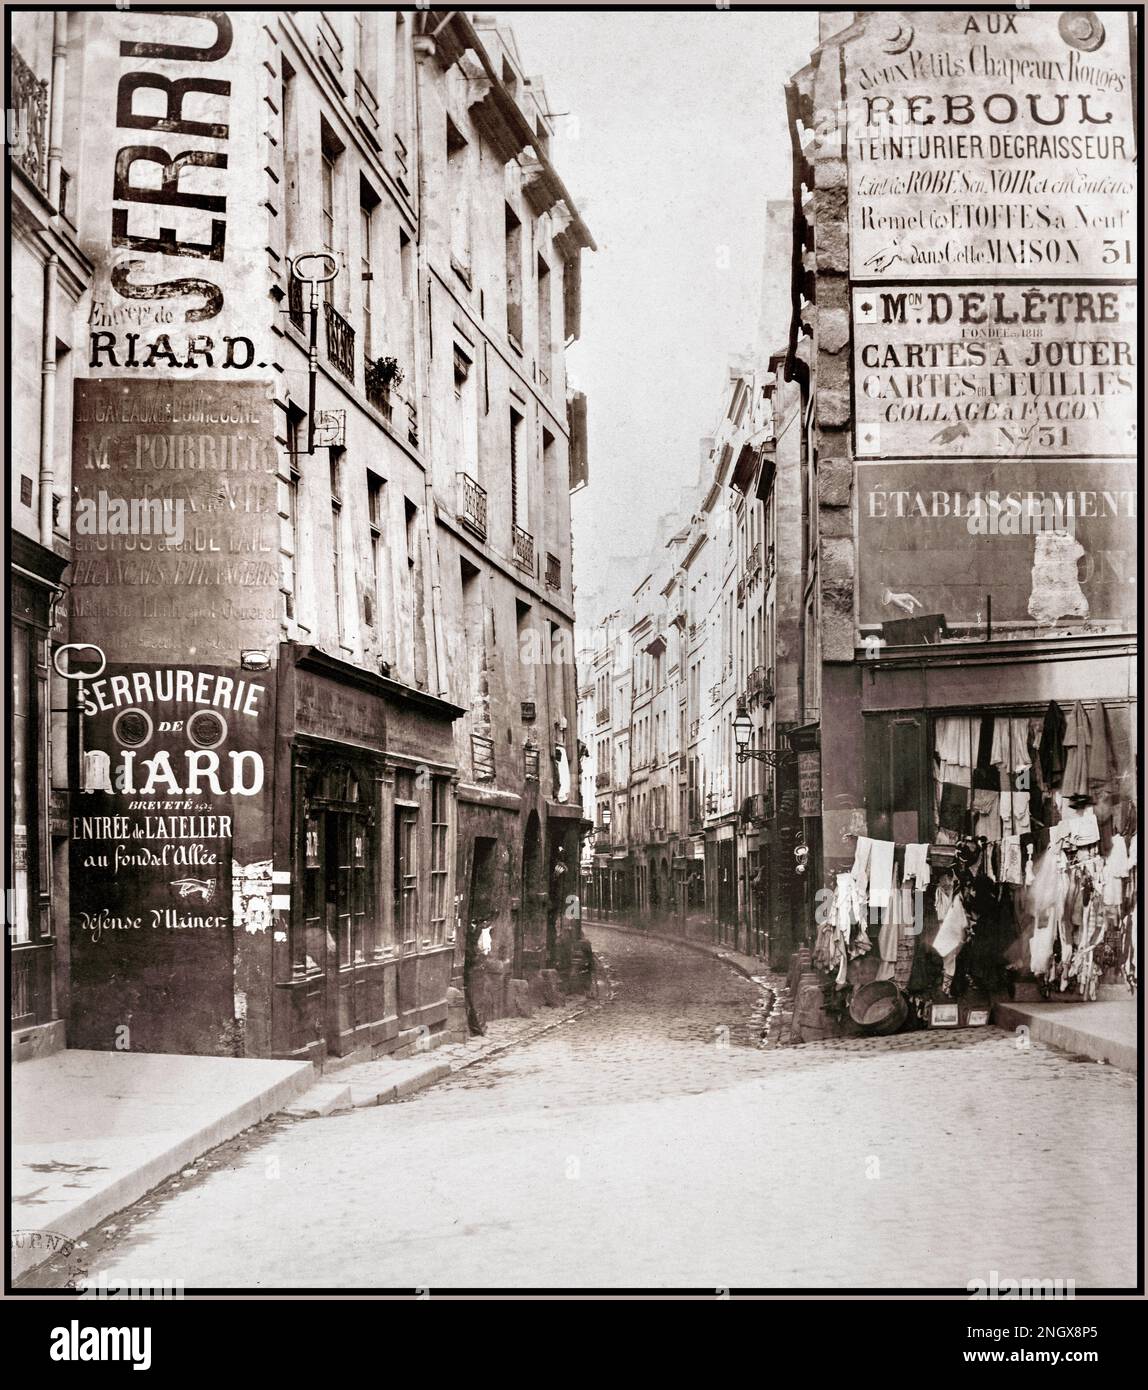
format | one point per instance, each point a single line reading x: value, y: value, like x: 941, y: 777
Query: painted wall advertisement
x: 1052, y: 541
x: 171, y: 759
x: 172, y: 176
x: 809, y: 782
x: 1008, y: 370
x: 175, y: 524
x: 991, y: 144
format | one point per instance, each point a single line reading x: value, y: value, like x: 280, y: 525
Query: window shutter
x: 579, y: 459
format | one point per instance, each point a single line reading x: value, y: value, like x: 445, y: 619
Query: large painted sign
x: 991, y: 144
x: 169, y: 758
x: 172, y: 173
x: 1006, y: 370
x: 175, y: 521
x: 1053, y: 542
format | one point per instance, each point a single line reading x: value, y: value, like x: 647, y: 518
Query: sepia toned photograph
x: 573, y: 721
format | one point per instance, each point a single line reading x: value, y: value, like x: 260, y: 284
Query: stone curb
x: 1055, y: 1032
x: 338, y: 1097
x: 498, y: 1048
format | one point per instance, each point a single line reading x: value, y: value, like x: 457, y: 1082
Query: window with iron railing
x: 472, y: 505
x: 340, y: 341
x: 523, y: 549
x: 553, y: 572
x: 29, y: 117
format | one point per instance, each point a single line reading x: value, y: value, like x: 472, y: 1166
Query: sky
x: 676, y: 136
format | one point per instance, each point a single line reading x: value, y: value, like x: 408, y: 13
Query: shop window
x: 405, y: 855
x: 896, y: 779
x: 440, y: 830
x: 313, y: 930
x: 340, y: 926
x: 23, y: 787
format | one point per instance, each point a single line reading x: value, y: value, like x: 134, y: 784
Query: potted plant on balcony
x: 388, y: 373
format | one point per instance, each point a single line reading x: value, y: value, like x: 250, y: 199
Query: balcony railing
x: 753, y: 561
x: 602, y: 781
x: 523, y: 543
x: 759, y: 685
x: 472, y: 505
x: 553, y: 572
x: 30, y: 115
x: 378, y: 391
x: 603, y: 716
x: 340, y: 341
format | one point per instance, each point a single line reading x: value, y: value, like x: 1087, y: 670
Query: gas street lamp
x: 743, y: 732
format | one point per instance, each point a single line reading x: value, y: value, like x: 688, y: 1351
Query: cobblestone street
x: 644, y: 1145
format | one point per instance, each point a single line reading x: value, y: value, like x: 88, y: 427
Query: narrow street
x: 645, y: 1145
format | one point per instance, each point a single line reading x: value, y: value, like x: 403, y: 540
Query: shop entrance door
x: 336, y: 879
x: 727, y: 889
x: 338, y: 896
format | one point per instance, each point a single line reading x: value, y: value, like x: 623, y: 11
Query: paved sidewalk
x: 1105, y: 1031
x: 93, y: 1131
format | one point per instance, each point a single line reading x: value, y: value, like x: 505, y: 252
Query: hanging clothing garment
x: 1115, y: 872
x: 1077, y: 744
x: 943, y: 897
x: 917, y: 864
x: 860, y: 870
x: 987, y: 814
x: 880, y: 872
x: 1010, y: 744
x: 1015, y: 813
x: 1052, y: 745
x: 1011, y: 866
x: 1041, y: 946
x: 952, y: 935
x: 563, y: 766
x: 847, y: 914
x: 954, y: 929
x: 1101, y: 752
x: 956, y: 773
x: 889, y: 936
x: 1081, y: 829
x: 957, y: 738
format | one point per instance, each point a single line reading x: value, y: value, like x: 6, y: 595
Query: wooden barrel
x: 810, y: 1020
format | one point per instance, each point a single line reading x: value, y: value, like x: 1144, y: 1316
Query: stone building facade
x: 331, y: 442
x: 46, y: 350
x: 917, y: 604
